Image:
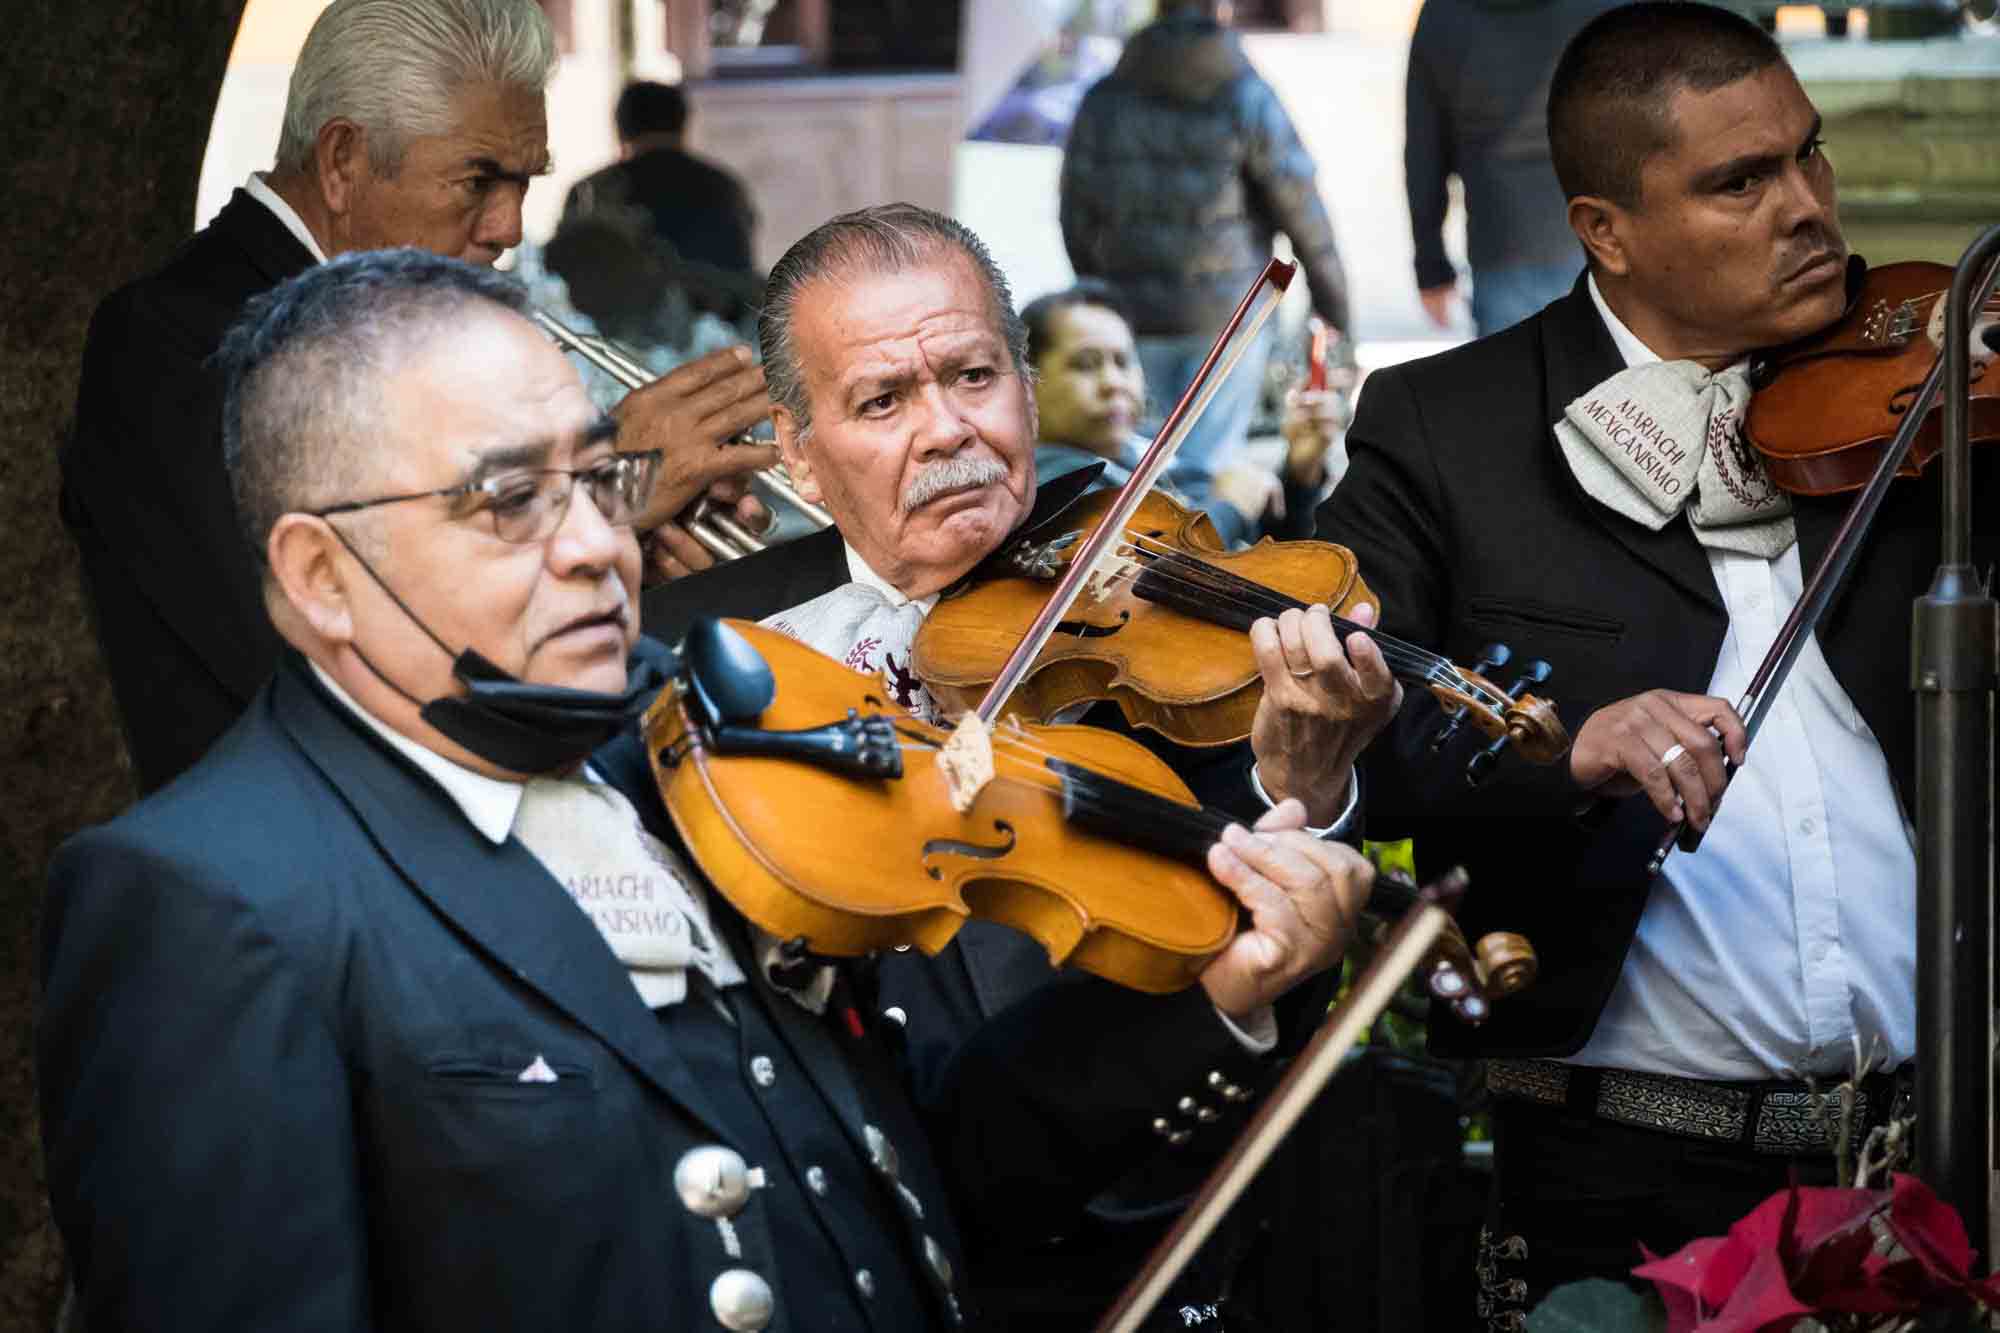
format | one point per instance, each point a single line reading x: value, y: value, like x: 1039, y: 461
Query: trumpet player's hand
x: 690, y: 414
x: 672, y: 553
x: 734, y: 495
x: 671, y: 549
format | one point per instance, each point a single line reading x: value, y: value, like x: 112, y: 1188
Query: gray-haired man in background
x: 408, y: 122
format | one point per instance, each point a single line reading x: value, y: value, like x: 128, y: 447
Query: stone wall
x: 1913, y: 129
x: 106, y: 111
x: 810, y: 148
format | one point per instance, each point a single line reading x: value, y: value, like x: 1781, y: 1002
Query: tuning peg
x: 1480, y: 767
x: 1491, y: 658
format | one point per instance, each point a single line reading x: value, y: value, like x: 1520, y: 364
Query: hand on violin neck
x: 1302, y: 896
x: 1324, y: 701
x: 1666, y: 744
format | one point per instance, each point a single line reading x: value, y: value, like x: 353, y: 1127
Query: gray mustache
x: 951, y: 474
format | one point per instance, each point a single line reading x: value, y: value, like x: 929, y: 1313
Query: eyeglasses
x: 529, y: 505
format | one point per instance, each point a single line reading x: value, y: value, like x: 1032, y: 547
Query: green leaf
x: 1598, y: 1306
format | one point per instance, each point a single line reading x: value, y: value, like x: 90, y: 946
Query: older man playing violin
x: 903, y: 402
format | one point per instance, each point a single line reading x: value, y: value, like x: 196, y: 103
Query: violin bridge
x: 1114, y: 567
x: 966, y: 760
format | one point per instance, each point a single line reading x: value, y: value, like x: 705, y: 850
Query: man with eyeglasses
x: 403, y: 1008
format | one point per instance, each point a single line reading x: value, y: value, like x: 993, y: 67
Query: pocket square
x: 538, y: 1071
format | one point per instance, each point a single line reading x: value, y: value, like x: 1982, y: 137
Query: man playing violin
x: 903, y: 402
x: 1533, y: 489
x: 404, y: 1007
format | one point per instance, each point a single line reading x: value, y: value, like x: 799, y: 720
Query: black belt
x: 1795, y: 1118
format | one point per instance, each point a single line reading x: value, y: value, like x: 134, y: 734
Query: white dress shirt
x: 258, y: 189
x: 1792, y: 930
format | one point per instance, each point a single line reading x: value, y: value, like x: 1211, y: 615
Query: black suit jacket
x: 285, y: 1004
x: 1469, y: 524
x: 175, y: 590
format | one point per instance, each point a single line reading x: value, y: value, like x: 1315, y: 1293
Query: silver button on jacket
x: 713, y: 1181
x: 741, y: 1300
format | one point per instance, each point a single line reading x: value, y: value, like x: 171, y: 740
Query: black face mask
x: 535, y: 728
x: 522, y: 727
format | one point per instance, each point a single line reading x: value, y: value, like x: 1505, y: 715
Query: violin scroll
x: 1466, y: 979
x: 1507, y: 717
x: 1506, y: 962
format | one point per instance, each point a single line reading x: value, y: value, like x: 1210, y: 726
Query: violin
x: 1851, y: 409
x: 1161, y: 629
x: 1149, y: 611
x: 1829, y: 405
x: 1083, y: 839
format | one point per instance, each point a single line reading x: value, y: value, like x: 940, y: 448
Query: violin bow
x: 1761, y: 695
x: 1251, y: 313
x: 1400, y: 955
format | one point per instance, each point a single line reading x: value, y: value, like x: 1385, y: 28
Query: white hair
x: 393, y: 66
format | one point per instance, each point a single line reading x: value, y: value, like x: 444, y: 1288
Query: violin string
x: 1404, y: 658
x: 1015, y: 744
x: 1016, y: 757
x: 1192, y: 571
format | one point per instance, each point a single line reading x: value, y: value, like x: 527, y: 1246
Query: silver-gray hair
x: 888, y: 238
x: 393, y: 66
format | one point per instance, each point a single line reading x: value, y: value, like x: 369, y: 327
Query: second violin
x: 1161, y: 627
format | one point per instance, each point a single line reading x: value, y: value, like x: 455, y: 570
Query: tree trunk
x: 108, y: 104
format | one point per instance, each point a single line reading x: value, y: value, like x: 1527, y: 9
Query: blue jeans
x: 1503, y: 297
x: 1170, y: 365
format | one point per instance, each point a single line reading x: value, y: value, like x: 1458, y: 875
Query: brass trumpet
x: 723, y: 536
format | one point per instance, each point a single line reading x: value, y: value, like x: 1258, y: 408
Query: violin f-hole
x: 1085, y: 630
x: 977, y: 851
x: 1900, y: 401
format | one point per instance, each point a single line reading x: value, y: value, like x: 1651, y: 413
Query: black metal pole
x: 1953, y: 657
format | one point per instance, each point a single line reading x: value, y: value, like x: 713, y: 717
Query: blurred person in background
x: 407, y: 123
x: 697, y: 212
x: 1476, y: 107
x: 1090, y: 389
x: 1180, y: 169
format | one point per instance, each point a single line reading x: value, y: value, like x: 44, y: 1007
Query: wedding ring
x: 1302, y: 674
x: 1673, y: 752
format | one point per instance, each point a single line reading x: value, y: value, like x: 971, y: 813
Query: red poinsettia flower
x: 1933, y: 1235
x: 1812, y: 1251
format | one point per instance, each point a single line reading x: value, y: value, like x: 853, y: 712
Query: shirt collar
x: 257, y: 188
x: 1635, y: 352
x: 489, y: 804
x: 858, y: 570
